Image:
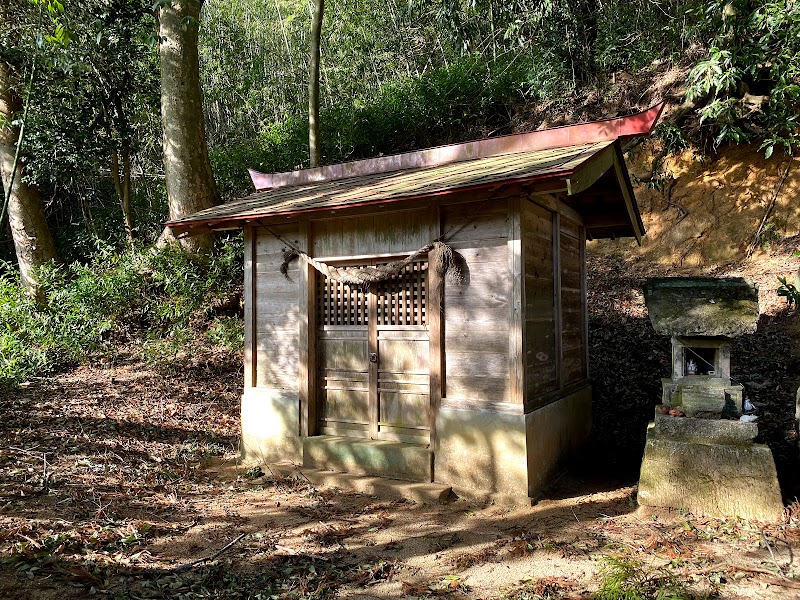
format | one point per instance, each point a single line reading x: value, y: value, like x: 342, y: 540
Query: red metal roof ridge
x: 637, y: 124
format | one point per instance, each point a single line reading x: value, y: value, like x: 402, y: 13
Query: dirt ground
x: 118, y: 480
x: 107, y: 490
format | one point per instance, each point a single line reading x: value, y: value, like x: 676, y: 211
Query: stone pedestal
x: 710, y: 467
x: 703, y: 394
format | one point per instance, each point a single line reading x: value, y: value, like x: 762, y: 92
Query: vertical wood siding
x: 573, y: 364
x: 476, y: 312
x: 541, y: 344
x: 277, y: 312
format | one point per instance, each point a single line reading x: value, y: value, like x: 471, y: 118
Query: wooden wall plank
x: 434, y: 319
x: 307, y: 340
x: 496, y: 318
x: 490, y: 251
x: 573, y: 362
x: 557, y: 294
x: 393, y: 233
x: 469, y: 338
x: 372, y: 349
x: 484, y: 389
x: 475, y: 221
x: 249, y: 307
x: 584, y: 305
x: 516, y: 304
x: 277, y: 314
x: 479, y: 296
x: 475, y: 364
x: 278, y: 362
x: 476, y: 314
x: 484, y: 275
x: 538, y: 229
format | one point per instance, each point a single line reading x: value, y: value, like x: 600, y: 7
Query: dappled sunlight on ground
x: 120, y: 480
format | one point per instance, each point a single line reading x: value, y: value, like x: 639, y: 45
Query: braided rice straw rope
x: 442, y: 260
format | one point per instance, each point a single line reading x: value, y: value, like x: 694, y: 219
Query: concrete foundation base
x: 482, y: 450
x: 499, y: 454
x: 554, y: 433
x: 271, y: 426
x: 715, y: 479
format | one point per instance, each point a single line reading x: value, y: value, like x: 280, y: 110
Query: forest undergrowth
x: 160, y: 301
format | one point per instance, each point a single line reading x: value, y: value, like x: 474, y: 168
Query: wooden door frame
x: 309, y: 422
x: 307, y: 342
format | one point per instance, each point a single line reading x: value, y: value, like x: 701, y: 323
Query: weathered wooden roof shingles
x: 577, y: 154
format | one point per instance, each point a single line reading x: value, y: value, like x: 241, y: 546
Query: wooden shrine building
x: 476, y: 380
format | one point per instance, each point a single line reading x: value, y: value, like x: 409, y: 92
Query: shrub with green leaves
x: 462, y: 101
x: 160, y: 299
x: 789, y: 291
x: 629, y: 579
x: 750, y: 79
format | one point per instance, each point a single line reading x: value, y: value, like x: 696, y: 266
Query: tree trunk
x: 123, y: 188
x: 190, y: 182
x: 313, y: 84
x: 33, y: 242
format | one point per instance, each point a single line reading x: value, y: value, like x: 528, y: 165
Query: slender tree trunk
x: 122, y: 185
x: 190, y: 182
x: 33, y: 242
x: 123, y: 188
x: 587, y: 22
x: 313, y: 84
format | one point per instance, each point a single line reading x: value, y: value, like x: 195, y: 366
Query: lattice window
x: 402, y: 300
x: 340, y: 304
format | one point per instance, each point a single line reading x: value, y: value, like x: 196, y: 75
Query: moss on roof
x: 702, y: 306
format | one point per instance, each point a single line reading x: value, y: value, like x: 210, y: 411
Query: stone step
x: 382, y: 487
x: 705, y: 431
x: 423, y: 493
x: 411, y: 462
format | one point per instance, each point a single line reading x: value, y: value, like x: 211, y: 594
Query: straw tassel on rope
x: 441, y: 260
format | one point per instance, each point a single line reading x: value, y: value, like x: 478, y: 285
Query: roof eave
x: 227, y: 222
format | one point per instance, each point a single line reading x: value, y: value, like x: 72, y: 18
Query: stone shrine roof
x: 702, y: 306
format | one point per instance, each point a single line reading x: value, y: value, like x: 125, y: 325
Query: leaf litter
x: 118, y: 480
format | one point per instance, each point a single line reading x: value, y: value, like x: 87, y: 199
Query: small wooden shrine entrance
x: 373, y: 356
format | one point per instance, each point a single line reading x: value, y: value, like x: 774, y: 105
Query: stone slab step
x: 424, y: 493
x: 412, y: 462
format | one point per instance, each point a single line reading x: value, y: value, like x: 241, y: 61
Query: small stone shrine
x: 699, y: 453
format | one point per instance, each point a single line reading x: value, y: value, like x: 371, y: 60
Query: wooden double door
x: 373, y: 358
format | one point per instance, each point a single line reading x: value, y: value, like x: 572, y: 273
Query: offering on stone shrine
x: 705, y: 461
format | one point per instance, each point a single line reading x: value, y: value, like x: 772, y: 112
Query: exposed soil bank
x: 701, y: 222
